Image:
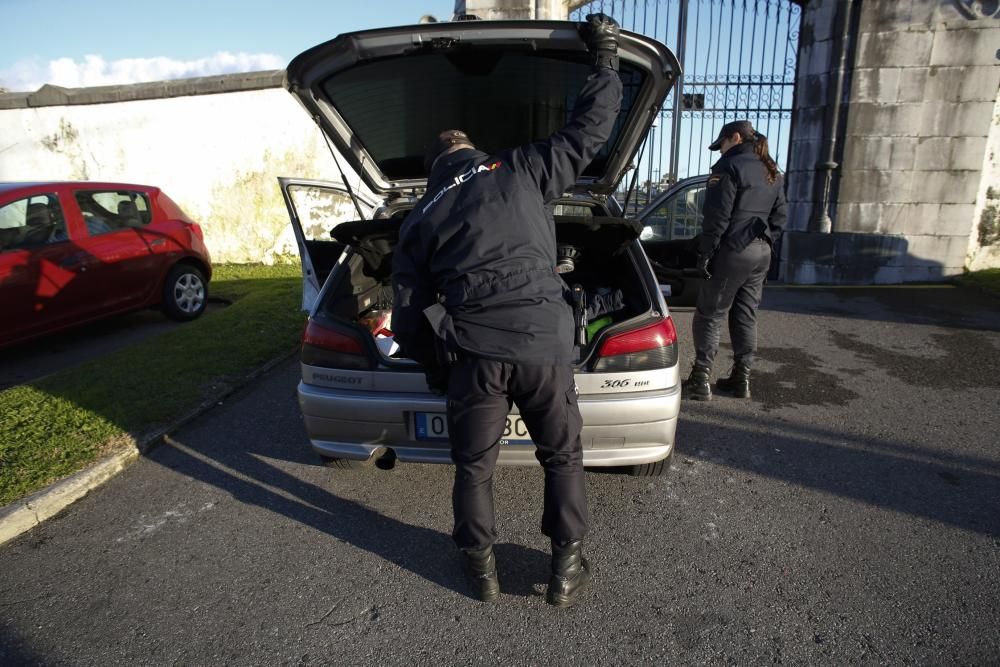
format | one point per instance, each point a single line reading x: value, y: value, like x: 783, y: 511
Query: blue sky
x: 49, y: 41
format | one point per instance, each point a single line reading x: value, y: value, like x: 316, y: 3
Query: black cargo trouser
x: 480, y: 395
x: 736, y: 287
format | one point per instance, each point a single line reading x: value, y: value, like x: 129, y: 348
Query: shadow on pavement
x: 952, y: 359
x: 14, y: 652
x: 951, y: 488
x: 38, y: 357
x: 946, y: 306
x: 422, y: 551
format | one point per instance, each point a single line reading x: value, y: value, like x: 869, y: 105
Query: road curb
x: 22, y: 515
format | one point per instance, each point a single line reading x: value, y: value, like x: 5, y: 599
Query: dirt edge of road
x: 24, y: 514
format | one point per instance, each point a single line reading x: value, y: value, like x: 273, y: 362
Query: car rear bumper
x: 626, y: 429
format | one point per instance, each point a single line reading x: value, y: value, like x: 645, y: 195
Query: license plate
x: 434, y: 426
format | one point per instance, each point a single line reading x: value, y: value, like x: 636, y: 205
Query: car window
x: 30, y: 222
x: 320, y: 210
x: 458, y: 89
x: 106, y: 211
x: 679, y: 217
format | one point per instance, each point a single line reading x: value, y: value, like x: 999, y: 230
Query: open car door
x: 316, y: 208
x: 670, y: 223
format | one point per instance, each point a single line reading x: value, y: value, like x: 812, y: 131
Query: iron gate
x: 738, y: 58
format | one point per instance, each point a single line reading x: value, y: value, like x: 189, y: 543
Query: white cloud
x: 93, y: 70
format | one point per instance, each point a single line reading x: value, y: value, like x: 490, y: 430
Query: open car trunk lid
x: 382, y: 95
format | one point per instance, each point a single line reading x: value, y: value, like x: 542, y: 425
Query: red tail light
x: 333, y: 348
x: 651, y: 347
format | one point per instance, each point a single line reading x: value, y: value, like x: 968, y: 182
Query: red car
x: 77, y: 251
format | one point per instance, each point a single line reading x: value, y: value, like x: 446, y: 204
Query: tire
x: 655, y: 469
x: 185, y: 293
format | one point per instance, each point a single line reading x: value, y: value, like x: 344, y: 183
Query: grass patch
x: 988, y: 280
x: 58, y: 425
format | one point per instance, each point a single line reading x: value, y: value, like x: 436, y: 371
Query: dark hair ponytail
x: 760, y: 148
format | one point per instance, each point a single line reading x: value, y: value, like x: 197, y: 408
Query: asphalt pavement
x: 848, y: 513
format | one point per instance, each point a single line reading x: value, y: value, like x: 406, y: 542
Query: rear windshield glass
x: 500, y: 98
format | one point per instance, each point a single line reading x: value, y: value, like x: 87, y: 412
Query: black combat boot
x: 738, y: 382
x: 570, y: 573
x: 697, y: 386
x: 481, y: 570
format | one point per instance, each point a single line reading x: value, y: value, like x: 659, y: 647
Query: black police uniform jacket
x: 740, y: 205
x: 476, y: 257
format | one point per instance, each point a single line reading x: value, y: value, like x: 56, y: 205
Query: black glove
x: 701, y: 266
x: 600, y: 33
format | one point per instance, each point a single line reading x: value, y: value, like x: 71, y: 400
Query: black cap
x: 743, y: 127
x: 443, y: 142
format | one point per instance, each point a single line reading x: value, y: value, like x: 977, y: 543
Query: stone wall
x: 556, y: 10
x: 914, y: 193
x: 919, y: 104
x: 215, y: 145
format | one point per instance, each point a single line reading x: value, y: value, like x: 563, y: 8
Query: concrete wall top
x: 50, y: 96
x: 218, y: 156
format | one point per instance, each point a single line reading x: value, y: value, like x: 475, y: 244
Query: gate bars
x: 738, y: 58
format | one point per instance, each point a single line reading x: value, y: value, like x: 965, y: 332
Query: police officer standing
x: 744, y: 213
x: 474, y: 276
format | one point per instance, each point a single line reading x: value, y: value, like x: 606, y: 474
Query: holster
x: 444, y: 356
x: 437, y: 375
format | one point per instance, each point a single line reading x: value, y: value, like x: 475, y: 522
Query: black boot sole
x: 562, y: 600
x: 487, y: 593
x: 696, y: 391
x: 489, y: 596
x: 735, y: 393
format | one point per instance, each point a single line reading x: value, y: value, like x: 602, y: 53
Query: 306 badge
x: 625, y: 382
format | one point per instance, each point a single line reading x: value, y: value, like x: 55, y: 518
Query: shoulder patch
x: 715, y: 179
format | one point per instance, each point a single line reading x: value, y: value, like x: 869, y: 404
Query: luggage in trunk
x: 596, y: 260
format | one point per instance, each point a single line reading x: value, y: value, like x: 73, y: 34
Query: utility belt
x: 741, y: 240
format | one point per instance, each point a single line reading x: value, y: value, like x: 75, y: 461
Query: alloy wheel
x: 189, y: 293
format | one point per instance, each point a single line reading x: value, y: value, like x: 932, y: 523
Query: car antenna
x: 343, y: 179
x: 635, y: 176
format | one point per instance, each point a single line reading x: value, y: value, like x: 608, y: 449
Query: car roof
x: 10, y: 186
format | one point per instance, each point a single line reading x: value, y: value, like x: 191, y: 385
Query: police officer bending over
x: 474, y: 277
x: 744, y: 214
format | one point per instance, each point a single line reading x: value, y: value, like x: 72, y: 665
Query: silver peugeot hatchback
x: 378, y: 96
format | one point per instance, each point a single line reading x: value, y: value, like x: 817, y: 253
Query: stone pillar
x: 984, y: 243
x: 814, y: 96
x: 919, y: 107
